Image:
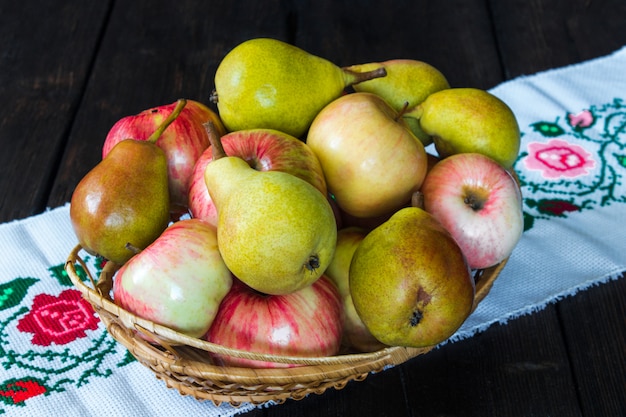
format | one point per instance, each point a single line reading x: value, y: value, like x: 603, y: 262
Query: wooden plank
x: 541, y: 35
x: 378, y: 395
x: 152, y: 54
x: 595, y: 330
x: 519, y: 368
x: 47, y: 50
x: 454, y: 36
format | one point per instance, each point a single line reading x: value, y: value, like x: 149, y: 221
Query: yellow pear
x: 276, y: 232
x: 466, y: 120
x: 410, y: 282
x: 267, y: 83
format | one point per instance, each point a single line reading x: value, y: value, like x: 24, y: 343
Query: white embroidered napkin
x: 56, y: 359
x: 572, y: 167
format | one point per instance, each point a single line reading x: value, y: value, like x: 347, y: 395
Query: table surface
x: 69, y: 70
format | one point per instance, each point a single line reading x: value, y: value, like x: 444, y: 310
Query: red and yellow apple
x: 264, y: 150
x: 371, y: 160
x: 304, y: 323
x: 178, y: 281
x: 479, y: 202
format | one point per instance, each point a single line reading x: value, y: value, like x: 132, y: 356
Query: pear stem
x: 355, y: 77
x: 180, y: 104
x: 132, y: 248
x: 417, y: 200
x: 216, y: 143
x: 402, y: 111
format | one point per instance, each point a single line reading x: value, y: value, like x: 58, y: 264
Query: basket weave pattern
x: 184, y: 363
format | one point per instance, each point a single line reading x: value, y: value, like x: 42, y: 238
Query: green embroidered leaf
x: 12, y: 293
x: 128, y: 358
x: 529, y: 221
x: 621, y: 159
x: 59, y: 272
x: 548, y: 129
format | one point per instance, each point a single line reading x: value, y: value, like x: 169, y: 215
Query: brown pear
x: 122, y: 205
x: 410, y: 282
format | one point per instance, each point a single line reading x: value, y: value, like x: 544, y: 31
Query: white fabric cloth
x: 573, y: 169
x: 574, y: 119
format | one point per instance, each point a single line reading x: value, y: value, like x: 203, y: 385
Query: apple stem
x: 355, y: 77
x: 474, y: 202
x: 180, y: 104
x: 216, y: 143
x: 417, y: 200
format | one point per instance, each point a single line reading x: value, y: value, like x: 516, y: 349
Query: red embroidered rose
x: 59, y: 320
x: 18, y: 391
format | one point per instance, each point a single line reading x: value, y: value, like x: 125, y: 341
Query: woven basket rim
x: 178, y: 359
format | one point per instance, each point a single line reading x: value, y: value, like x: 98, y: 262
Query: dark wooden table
x: 70, y: 69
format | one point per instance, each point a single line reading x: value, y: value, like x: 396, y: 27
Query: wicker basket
x: 184, y: 364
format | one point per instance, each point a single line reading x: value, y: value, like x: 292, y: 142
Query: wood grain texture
x: 454, y: 36
x: 542, y: 34
x: 71, y: 71
x: 594, y: 327
x: 47, y: 52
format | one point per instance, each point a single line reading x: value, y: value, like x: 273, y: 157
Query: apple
x: 371, y: 160
x: 177, y: 281
x: 264, y: 150
x: 479, y: 203
x: 304, y: 323
x: 408, y: 83
x: 355, y: 333
x: 183, y: 141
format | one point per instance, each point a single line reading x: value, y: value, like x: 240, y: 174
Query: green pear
x: 267, y: 83
x: 466, y: 120
x: 408, y: 82
x: 410, y: 282
x: 276, y: 232
x: 355, y: 333
x: 123, y: 203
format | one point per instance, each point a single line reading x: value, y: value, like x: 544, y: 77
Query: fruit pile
x: 307, y: 214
